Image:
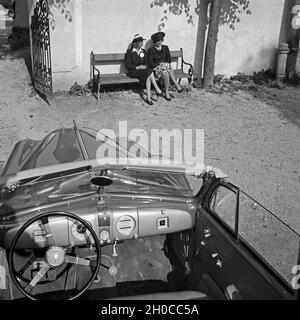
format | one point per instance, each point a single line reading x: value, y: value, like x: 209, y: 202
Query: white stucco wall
x: 63, y: 39
x: 106, y: 26
x: 252, y: 45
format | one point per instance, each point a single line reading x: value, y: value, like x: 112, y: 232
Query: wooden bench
x: 99, y: 78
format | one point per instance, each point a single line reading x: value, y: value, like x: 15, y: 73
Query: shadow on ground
x: 284, y: 100
x: 7, y: 54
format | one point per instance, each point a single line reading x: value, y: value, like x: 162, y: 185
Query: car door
x: 238, y: 244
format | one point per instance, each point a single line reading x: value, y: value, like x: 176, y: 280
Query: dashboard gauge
x: 39, y: 236
x: 78, y: 231
x: 104, y: 235
x: 125, y: 225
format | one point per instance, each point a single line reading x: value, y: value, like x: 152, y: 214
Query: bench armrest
x: 92, y: 57
x: 98, y: 71
x: 191, y: 68
x: 96, y: 80
x: 93, y: 67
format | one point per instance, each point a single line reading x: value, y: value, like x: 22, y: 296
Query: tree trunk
x: 212, y: 38
x: 202, y: 10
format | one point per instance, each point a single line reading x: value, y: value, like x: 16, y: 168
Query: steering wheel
x: 60, y: 243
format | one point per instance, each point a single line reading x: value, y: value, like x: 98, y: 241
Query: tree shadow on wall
x: 230, y: 12
x: 63, y: 7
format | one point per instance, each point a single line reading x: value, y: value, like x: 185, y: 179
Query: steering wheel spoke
x: 80, y: 261
x: 40, y: 274
x: 49, y: 235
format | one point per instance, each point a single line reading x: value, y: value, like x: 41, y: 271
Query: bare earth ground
x: 253, y: 136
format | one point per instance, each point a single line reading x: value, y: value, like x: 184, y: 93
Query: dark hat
x: 137, y: 38
x: 158, y: 36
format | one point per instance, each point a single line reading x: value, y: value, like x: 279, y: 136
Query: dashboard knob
x: 113, y: 271
x: 104, y: 235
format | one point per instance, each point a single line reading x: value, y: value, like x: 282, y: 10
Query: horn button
x: 55, y: 256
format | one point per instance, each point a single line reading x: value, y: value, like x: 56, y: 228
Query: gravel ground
x: 253, y: 136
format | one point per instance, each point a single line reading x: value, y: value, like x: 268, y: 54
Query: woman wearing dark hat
x: 137, y: 64
x: 160, y: 60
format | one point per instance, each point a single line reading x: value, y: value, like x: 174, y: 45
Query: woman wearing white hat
x: 137, y: 64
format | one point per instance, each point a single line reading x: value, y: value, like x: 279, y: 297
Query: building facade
x: 78, y: 27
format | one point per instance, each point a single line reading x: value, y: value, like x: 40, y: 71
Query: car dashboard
x: 110, y: 225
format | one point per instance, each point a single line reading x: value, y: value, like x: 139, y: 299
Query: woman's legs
x: 152, y: 78
x: 148, y: 88
x: 172, y: 77
x: 166, y: 79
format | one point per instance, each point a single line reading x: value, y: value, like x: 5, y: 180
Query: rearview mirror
x: 101, y: 181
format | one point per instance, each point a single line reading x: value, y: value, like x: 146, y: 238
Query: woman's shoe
x: 168, y: 98
x: 150, y: 102
x: 180, y: 90
x: 159, y: 94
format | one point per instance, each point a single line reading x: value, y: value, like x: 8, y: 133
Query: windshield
x: 92, y: 144
x: 43, y: 190
x: 62, y: 146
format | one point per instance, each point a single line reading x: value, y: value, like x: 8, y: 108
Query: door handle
x: 219, y: 263
x: 207, y: 232
x: 218, y: 260
x: 232, y: 293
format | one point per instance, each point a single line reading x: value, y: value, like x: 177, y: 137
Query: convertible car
x: 73, y: 228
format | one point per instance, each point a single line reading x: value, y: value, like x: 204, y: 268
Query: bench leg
x: 98, y: 88
x: 189, y: 85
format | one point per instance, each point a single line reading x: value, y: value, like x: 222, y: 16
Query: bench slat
x: 123, y: 78
x: 175, y: 54
x: 116, y: 78
x: 180, y: 74
x: 107, y: 57
x: 117, y: 57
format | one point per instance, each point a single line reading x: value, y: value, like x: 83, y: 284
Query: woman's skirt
x: 141, y: 74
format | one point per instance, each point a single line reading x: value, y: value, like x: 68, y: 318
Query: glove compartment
x: 162, y: 221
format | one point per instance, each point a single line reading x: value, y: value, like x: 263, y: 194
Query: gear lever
x: 115, y: 254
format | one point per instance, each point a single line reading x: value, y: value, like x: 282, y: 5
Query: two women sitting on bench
x: 137, y: 65
x: 143, y: 65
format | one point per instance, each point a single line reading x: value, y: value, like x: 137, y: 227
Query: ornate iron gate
x: 42, y: 72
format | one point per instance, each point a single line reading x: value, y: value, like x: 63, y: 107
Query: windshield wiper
x: 55, y: 196
x: 68, y: 195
